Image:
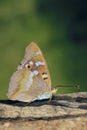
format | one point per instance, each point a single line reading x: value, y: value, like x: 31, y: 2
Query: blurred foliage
x: 58, y: 27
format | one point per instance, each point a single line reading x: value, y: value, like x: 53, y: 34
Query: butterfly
x: 31, y: 81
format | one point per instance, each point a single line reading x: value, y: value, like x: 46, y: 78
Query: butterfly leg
x: 50, y: 99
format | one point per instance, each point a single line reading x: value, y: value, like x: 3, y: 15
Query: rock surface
x: 64, y: 112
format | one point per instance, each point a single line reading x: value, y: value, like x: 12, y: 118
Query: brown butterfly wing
x: 18, y: 89
x: 32, y: 77
x: 34, y: 53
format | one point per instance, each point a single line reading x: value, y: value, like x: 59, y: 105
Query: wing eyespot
x: 27, y: 66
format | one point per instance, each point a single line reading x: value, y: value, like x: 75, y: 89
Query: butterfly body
x: 32, y: 80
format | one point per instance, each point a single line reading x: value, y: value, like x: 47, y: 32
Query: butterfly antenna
x: 70, y: 86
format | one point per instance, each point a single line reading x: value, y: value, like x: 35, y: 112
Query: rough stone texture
x: 64, y: 112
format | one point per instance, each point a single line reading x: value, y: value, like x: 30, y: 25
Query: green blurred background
x: 59, y: 27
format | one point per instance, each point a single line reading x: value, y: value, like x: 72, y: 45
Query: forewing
x: 34, y: 53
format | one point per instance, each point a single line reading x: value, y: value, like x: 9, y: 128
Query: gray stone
x: 64, y: 112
